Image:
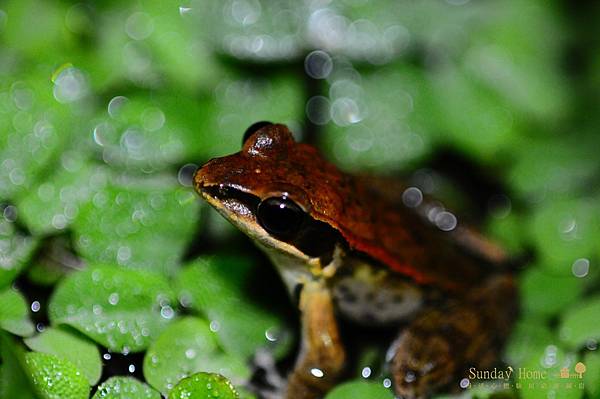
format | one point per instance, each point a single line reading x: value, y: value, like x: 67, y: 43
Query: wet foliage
x: 116, y: 281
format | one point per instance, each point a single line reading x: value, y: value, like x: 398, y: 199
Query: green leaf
x: 245, y: 393
x: 49, y: 27
x: 38, y: 131
x: 125, y: 388
x: 186, y: 347
x: 218, y: 288
x: 17, y: 250
x: 579, y: 325
x: 591, y: 377
x: 140, y: 223
x: 55, y: 377
x: 121, y: 309
x: 135, y: 134
x: 143, y: 133
x: 547, y: 295
x: 81, y: 352
x: 500, y: 56
x: 529, y: 335
x: 552, y: 165
x: 203, y: 386
x: 469, y: 115
x: 550, y: 361
x: 14, y: 313
x: 510, y: 231
x: 360, y: 389
x: 565, y: 230
x: 14, y: 381
x: 377, y: 122
x: 56, y: 202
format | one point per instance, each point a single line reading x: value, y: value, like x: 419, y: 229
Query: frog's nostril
x: 254, y: 128
x: 201, y: 175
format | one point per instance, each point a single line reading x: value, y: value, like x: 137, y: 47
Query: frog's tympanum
x: 352, y: 249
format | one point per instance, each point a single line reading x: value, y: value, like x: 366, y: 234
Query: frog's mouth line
x: 222, y: 192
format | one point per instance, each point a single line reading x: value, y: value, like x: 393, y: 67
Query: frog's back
x: 404, y: 239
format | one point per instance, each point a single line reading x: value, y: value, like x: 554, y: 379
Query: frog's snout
x: 202, y: 176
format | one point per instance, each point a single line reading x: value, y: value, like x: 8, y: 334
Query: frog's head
x: 280, y: 193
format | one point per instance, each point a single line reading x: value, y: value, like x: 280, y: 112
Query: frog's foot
x: 424, y: 355
x: 322, y: 354
x: 441, y: 344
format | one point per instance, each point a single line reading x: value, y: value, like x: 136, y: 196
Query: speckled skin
x: 466, y: 302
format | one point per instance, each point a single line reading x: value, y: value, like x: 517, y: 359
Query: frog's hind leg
x: 322, y: 355
x: 438, y: 347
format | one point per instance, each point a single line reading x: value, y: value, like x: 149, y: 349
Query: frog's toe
x: 421, y: 365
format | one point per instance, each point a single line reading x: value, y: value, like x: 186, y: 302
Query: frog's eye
x: 254, y: 128
x: 280, y: 217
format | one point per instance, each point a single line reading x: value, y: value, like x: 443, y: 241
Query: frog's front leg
x: 442, y: 342
x: 322, y: 355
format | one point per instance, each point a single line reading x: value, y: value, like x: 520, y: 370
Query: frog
x: 349, y: 248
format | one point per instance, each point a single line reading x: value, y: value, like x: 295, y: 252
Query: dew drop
x: 59, y: 221
x: 123, y: 254
x: 366, y: 372
x: 186, y: 174
x: 17, y: 176
x: 70, y: 85
x: 581, y: 267
x: 318, y: 64
x: 153, y: 119
x: 317, y: 372
x: 10, y: 213
x: 214, y: 326
x: 445, y: 221
x: 550, y: 356
x: 318, y: 110
x: 113, y: 298
x: 184, y: 10
x: 116, y: 104
x: 139, y: 26
x: 272, y: 334
x: 167, y: 312
x: 412, y: 197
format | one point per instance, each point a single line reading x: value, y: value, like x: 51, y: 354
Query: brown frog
x: 367, y: 252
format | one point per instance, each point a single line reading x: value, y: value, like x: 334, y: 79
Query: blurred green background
x: 112, y: 271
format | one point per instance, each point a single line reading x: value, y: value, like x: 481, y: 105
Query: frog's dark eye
x: 280, y: 216
x: 254, y: 128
